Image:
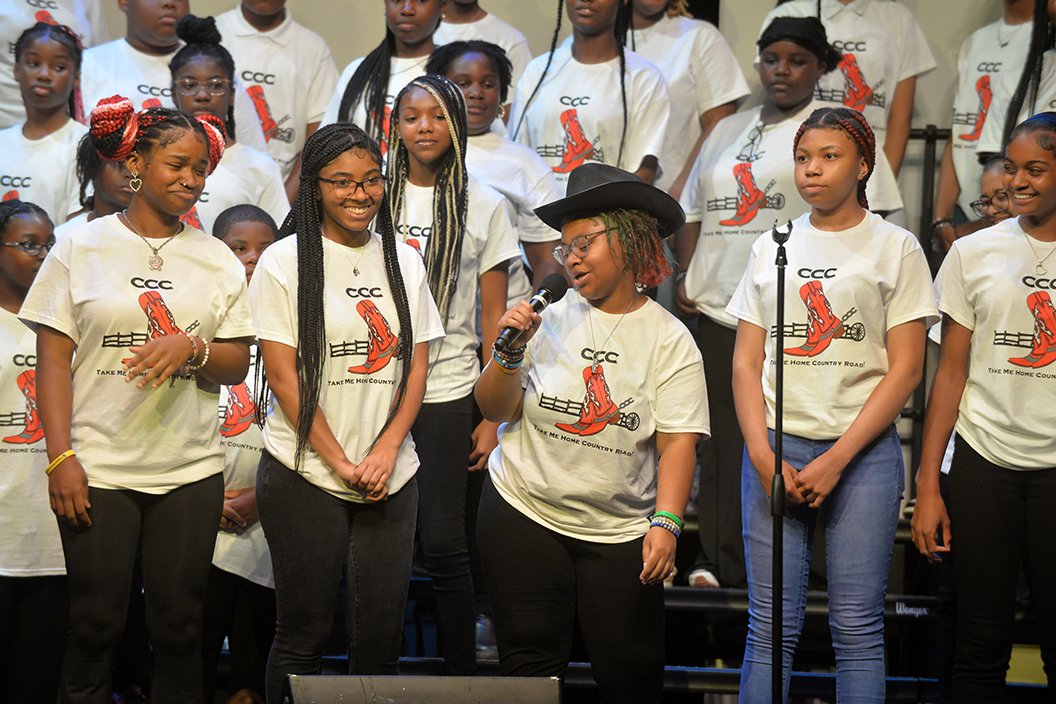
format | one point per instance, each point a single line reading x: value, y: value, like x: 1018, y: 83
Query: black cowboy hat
x: 808, y: 32
x: 597, y: 188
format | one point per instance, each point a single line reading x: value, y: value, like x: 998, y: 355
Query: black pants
x: 1001, y: 519
x: 244, y: 613
x: 32, y: 632
x: 719, y: 491
x: 315, y: 538
x: 175, y: 534
x: 543, y: 583
x: 442, y: 438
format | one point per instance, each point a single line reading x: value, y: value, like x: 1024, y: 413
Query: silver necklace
x: 593, y: 340
x: 362, y: 253
x: 155, y: 262
x: 1039, y: 264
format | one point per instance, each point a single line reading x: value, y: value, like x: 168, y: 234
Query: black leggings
x: 175, y: 534
x: 32, y: 630
x: 244, y: 613
x: 1001, y: 520
x: 542, y: 583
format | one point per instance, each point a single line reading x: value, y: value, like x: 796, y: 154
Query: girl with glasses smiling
x: 32, y: 571
x: 343, y: 316
x: 203, y: 73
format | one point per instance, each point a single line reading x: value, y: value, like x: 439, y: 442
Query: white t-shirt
x: 989, y: 285
x: 581, y: 460
x: 115, y: 68
x: 489, y: 240
x: 96, y: 288
x: 29, y: 534
x: 16, y: 16
x: 881, y: 43
x: 42, y: 171
x: 74, y: 224
x: 743, y: 181
x: 526, y: 182
x: 490, y: 29
x: 245, y: 554
x: 701, y: 73
x: 843, y: 292
x: 360, y: 373
x: 401, y: 72
x: 289, y: 75
x: 244, y: 175
x: 1004, y: 89
x: 988, y: 54
x: 577, y: 115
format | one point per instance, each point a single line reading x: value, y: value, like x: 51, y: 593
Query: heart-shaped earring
x: 135, y: 183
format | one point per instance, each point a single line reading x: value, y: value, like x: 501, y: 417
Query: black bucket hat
x: 808, y: 32
x: 597, y: 188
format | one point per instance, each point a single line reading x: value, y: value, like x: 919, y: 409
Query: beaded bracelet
x: 667, y: 524
x: 509, y: 365
x: 205, y: 358
x: 667, y: 514
x: 194, y: 348
x: 59, y: 460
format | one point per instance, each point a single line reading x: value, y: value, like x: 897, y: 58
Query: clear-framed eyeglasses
x: 997, y: 202
x: 188, y: 87
x: 579, y: 245
x: 33, y: 249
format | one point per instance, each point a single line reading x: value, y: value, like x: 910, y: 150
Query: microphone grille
x: 557, y: 285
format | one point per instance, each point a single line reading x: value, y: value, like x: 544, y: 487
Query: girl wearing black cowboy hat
x: 603, y: 404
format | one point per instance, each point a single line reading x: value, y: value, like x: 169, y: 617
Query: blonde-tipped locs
x: 443, y: 253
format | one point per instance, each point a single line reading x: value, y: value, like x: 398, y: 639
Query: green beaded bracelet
x: 667, y: 514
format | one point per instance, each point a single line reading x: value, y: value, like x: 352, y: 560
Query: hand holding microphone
x: 519, y: 322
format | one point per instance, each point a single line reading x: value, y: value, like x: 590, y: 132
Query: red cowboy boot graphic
x: 1044, y: 351
x: 381, y: 343
x: 151, y: 103
x: 239, y: 413
x: 856, y: 92
x: 10, y: 195
x: 749, y: 197
x: 191, y: 218
x: 599, y: 409
x: 260, y: 103
x: 822, y: 326
x: 982, y: 87
x: 34, y: 431
x: 160, y: 321
x: 45, y: 17
x: 417, y: 245
x: 578, y: 149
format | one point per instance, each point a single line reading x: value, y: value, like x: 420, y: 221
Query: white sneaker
x: 701, y: 578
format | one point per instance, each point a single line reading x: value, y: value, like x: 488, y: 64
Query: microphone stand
x: 777, y: 486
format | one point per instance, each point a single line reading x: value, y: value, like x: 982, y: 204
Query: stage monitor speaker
x: 351, y: 689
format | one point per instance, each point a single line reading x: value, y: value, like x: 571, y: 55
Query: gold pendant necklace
x: 154, y: 261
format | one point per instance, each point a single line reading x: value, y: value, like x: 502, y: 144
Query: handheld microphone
x: 552, y: 290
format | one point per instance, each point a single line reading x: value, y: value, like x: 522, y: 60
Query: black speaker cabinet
x: 350, y: 689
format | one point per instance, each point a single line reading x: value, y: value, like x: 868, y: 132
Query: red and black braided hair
x: 117, y: 130
x: 45, y: 31
x: 854, y: 124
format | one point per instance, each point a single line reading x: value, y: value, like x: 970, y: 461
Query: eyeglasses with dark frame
x: 998, y: 202
x: 579, y: 245
x: 372, y: 185
x: 188, y: 87
x: 32, y: 249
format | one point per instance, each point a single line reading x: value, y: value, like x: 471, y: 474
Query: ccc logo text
x: 1035, y: 282
x: 15, y: 181
x: 989, y: 67
x: 808, y: 273
x: 415, y: 230
x: 154, y: 90
x: 25, y: 360
x: 575, y: 102
x: 599, y: 356
x: 43, y: 4
x: 154, y: 284
x: 849, y: 46
x: 256, y: 77
x: 364, y: 292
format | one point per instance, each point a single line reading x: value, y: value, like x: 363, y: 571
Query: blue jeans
x: 316, y: 538
x: 860, y: 517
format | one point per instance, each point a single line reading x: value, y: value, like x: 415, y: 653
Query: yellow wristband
x: 59, y: 460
